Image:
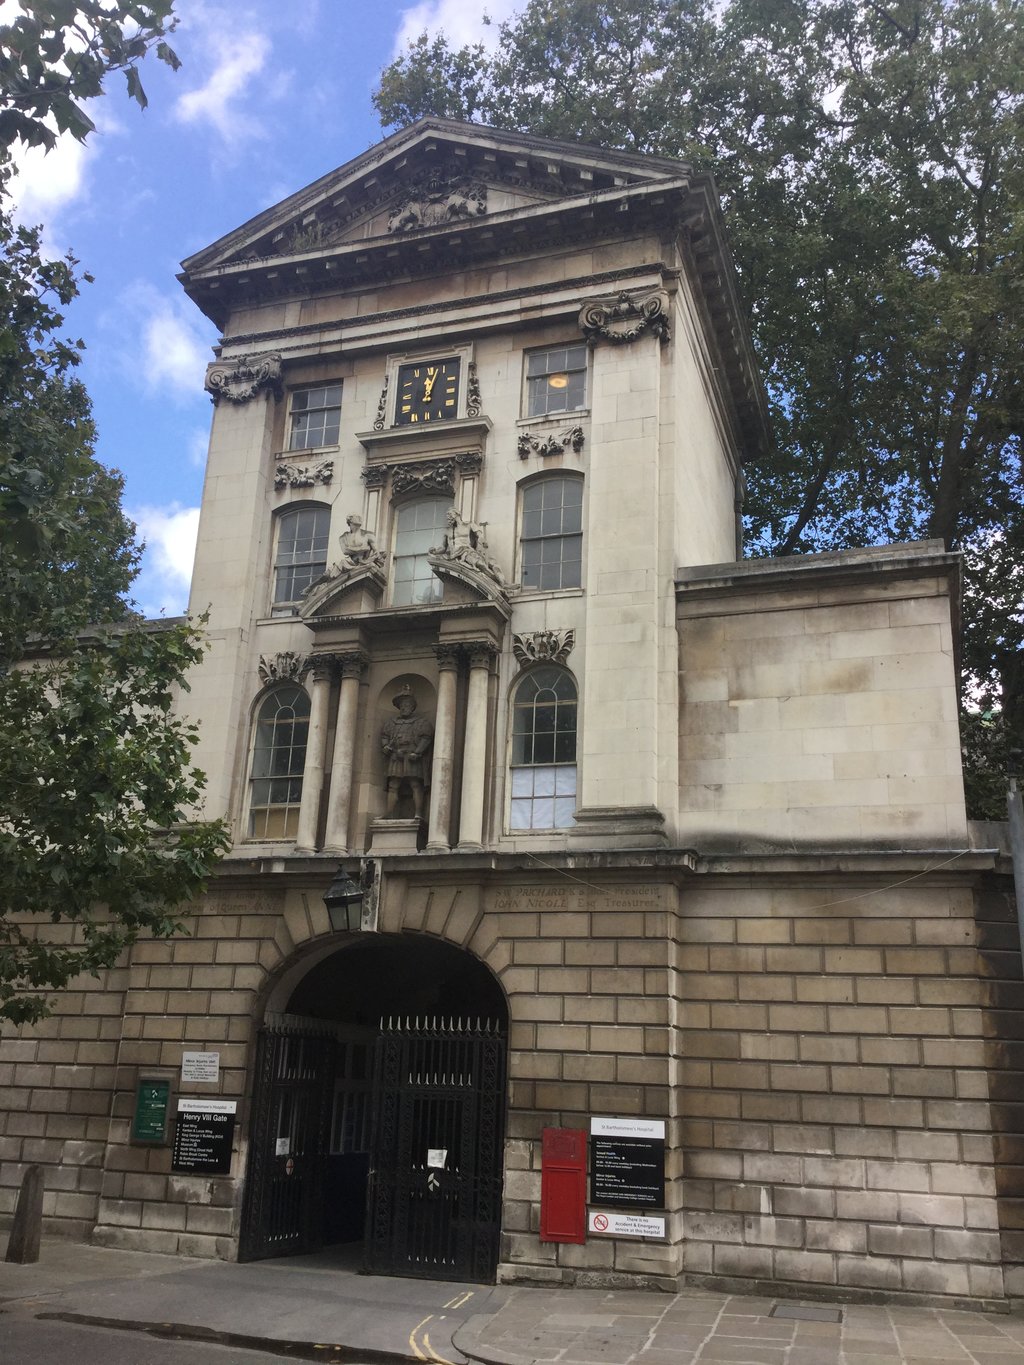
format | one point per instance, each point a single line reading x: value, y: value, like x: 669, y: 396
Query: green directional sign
x: 151, y: 1101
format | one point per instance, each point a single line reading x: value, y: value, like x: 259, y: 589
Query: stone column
x: 443, y: 764
x: 339, y: 801
x: 313, y: 772
x: 474, y: 759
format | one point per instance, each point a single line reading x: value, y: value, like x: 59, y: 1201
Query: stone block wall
x: 193, y: 993
x: 837, y: 1120
x: 835, y: 1045
x: 819, y: 702
x: 56, y: 1088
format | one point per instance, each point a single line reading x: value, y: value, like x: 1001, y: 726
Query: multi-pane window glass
x: 279, y: 756
x: 302, y: 534
x: 419, y: 526
x: 556, y: 380
x: 544, y: 751
x: 316, y: 415
x: 552, y: 536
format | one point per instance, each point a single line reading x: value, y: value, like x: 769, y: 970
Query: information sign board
x: 199, y: 1068
x: 626, y: 1225
x: 627, y: 1163
x: 203, y: 1136
x: 152, y: 1096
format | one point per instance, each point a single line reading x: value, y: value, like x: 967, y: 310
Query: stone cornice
x: 839, y: 568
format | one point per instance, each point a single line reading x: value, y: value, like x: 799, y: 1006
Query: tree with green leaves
x: 870, y: 157
x: 96, y: 784
x: 56, y: 54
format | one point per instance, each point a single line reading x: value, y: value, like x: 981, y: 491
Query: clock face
x: 428, y: 391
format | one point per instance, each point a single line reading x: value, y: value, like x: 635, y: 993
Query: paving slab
x: 322, y: 1308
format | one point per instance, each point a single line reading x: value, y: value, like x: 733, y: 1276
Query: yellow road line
x: 434, y: 1355
x: 412, y: 1338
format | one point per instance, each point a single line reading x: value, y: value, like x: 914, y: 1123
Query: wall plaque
x: 152, y: 1096
x: 203, y: 1136
x: 626, y: 1225
x: 627, y: 1163
x: 199, y: 1067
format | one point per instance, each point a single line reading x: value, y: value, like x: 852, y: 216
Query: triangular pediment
x: 436, y: 173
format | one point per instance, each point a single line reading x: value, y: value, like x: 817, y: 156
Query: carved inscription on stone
x: 534, y: 898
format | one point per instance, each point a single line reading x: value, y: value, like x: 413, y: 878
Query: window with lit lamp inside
x: 556, y: 380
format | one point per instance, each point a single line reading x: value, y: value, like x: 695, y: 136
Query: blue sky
x: 271, y: 95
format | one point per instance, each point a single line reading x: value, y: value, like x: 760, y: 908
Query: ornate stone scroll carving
x: 303, y: 475
x: 437, y: 197
x: 543, y: 646
x: 240, y: 379
x: 472, y: 390
x: 284, y: 667
x: 375, y: 475
x: 382, y: 406
x: 570, y: 439
x: 431, y: 476
x: 625, y: 318
x: 428, y: 476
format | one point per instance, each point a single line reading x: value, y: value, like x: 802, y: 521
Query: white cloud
x: 198, y: 446
x: 174, y: 354
x: 170, y: 535
x: 169, y: 338
x: 461, y: 21
x: 216, y: 102
x: 45, y: 182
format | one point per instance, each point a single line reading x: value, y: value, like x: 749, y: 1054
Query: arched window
x: 544, y: 750
x: 551, y: 540
x: 301, y: 557
x: 279, y: 755
x: 419, y: 526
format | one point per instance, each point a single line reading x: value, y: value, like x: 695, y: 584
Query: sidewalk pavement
x: 321, y: 1308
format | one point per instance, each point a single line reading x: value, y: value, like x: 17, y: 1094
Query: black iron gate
x: 295, y: 1066
x: 435, y: 1180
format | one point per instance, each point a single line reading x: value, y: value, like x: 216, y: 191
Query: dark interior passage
x: 314, y: 1125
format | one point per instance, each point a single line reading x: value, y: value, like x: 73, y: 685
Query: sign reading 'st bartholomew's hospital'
x: 627, y: 1163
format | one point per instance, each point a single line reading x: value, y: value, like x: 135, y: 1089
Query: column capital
x: 352, y: 664
x: 448, y: 655
x: 322, y: 667
x: 481, y: 653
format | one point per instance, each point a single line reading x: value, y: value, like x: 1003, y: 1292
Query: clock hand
x: 428, y: 387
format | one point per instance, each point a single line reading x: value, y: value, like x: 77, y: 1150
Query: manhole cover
x: 806, y: 1313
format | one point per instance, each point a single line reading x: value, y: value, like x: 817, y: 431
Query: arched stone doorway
x: 378, y: 1111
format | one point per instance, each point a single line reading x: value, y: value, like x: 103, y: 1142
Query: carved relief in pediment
x: 438, y: 196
